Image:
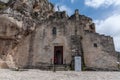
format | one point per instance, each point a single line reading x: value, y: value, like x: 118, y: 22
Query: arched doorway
x: 58, y: 55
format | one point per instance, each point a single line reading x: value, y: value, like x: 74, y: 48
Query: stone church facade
x: 33, y: 35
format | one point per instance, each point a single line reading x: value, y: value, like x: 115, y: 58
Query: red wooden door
x: 58, y: 55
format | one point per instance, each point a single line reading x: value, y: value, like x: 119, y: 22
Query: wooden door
x: 58, y: 55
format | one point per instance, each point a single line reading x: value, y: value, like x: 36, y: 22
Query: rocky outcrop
x: 18, y: 19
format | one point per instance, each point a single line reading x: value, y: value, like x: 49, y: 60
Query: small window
x: 95, y: 45
x: 54, y: 31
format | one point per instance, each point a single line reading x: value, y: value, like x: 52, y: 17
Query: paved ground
x: 59, y: 75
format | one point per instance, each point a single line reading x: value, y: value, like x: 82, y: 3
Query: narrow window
x: 54, y: 31
x: 95, y: 45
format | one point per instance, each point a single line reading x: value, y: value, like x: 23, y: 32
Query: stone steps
x: 60, y: 67
x: 51, y: 67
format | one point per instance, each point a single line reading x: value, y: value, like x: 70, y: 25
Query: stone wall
x: 69, y: 33
x: 17, y: 24
x: 45, y: 41
x: 21, y: 53
x: 99, y: 51
x: 118, y: 55
x: 29, y: 30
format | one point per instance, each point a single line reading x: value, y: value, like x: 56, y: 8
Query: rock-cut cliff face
x: 33, y: 8
x: 18, y: 19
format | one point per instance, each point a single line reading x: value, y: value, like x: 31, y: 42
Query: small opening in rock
x: 92, y: 27
x: 54, y: 31
x: 3, y: 54
x: 95, y: 45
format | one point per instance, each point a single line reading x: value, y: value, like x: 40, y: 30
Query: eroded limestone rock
x: 18, y: 19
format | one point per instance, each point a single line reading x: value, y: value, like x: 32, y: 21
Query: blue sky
x: 105, y: 13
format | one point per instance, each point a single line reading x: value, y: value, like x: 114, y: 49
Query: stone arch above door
x: 58, y: 41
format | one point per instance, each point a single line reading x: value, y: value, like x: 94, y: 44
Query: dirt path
x: 59, y: 75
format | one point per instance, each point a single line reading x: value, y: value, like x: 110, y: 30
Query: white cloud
x: 117, y: 42
x: 110, y: 26
x: 99, y: 3
x: 72, y: 1
x: 63, y: 8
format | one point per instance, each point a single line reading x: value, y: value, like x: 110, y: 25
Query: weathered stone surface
x: 30, y: 31
x: 118, y: 55
x: 15, y: 26
x: 3, y: 64
x: 99, y: 51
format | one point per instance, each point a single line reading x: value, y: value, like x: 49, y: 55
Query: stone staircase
x: 52, y: 67
x: 61, y: 67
